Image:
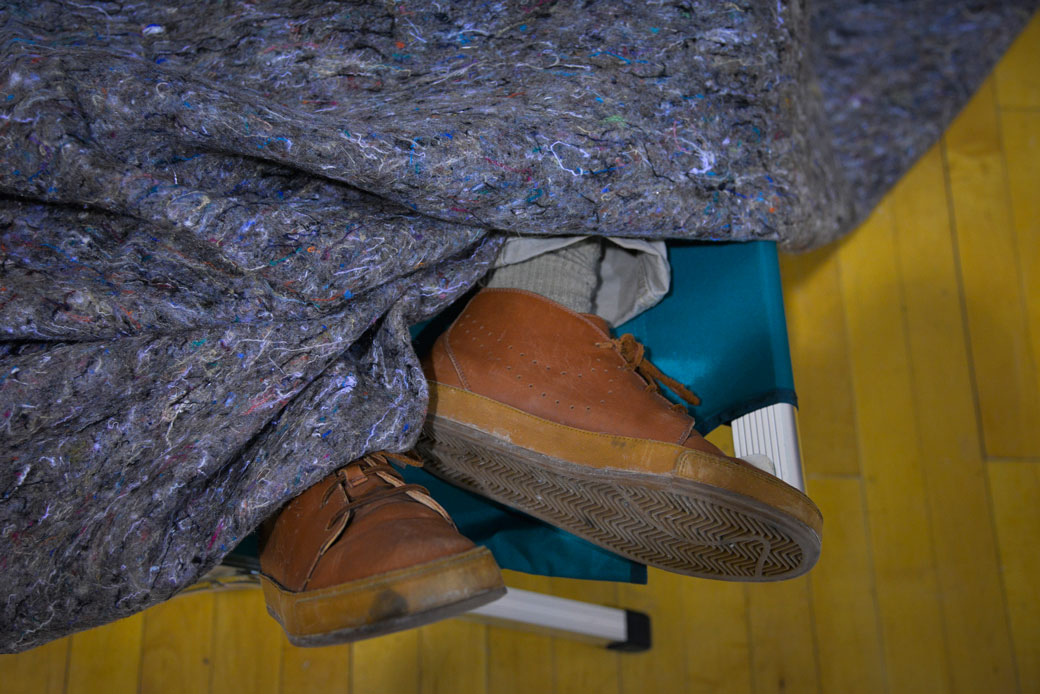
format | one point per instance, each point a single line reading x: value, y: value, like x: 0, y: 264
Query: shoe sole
x: 656, y: 503
x: 389, y: 602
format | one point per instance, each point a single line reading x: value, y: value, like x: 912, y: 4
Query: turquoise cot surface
x: 721, y: 330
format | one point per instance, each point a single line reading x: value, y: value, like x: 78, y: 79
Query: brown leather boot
x: 363, y: 554
x: 540, y: 408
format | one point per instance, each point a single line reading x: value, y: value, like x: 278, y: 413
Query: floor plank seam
x: 140, y: 655
x: 839, y: 271
x: 962, y: 298
x: 989, y: 494
x: 919, y: 412
x: 869, y: 547
x: 815, y: 634
x: 1003, y: 583
x: 1012, y: 459
x: 1023, y: 288
x: 751, y: 641
x: 976, y: 400
x: 904, y: 320
x: 1025, y: 310
x: 212, y: 640
x: 867, y: 529
x: 833, y: 476
x: 68, y: 664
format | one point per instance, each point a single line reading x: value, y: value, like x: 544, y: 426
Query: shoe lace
x: 379, y: 465
x: 634, y: 354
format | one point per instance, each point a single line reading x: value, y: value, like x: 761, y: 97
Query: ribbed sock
x: 568, y: 276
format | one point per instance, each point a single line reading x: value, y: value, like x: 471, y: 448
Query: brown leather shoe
x: 363, y: 554
x: 537, y: 407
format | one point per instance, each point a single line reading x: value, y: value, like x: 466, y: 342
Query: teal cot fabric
x: 720, y: 330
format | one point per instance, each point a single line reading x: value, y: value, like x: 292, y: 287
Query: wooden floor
x: 917, y: 356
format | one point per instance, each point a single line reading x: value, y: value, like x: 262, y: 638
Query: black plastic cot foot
x: 637, y: 630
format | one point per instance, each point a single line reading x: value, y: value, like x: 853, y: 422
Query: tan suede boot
x: 540, y: 408
x: 363, y: 554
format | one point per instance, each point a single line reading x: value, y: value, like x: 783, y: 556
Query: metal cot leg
x: 771, y: 432
x: 611, y: 627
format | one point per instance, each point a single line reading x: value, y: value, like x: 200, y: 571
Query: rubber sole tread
x: 660, y: 520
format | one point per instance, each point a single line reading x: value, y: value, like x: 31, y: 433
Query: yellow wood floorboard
x: 844, y: 598
x: 1004, y: 365
x: 1021, y: 145
x: 664, y: 668
x: 176, y: 645
x: 387, y: 665
x: 39, y: 671
x: 1018, y: 78
x: 963, y: 536
x: 783, y: 645
x: 901, y: 537
x: 580, y: 667
x: 453, y: 657
x: 520, y: 662
x: 716, y: 637
x: 324, y: 670
x: 1016, y: 490
x: 247, y: 644
x: 820, y: 358
x: 106, y: 660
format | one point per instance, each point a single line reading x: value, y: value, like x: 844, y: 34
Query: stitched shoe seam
x: 454, y: 362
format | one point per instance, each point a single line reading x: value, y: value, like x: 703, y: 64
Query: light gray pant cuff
x: 568, y: 275
x: 631, y: 275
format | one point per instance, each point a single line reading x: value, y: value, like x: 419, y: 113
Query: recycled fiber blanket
x: 218, y: 220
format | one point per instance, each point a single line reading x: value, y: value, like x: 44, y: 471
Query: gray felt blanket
x: 217, y: 221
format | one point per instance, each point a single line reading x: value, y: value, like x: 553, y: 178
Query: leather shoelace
x: 377, y: 464
x: 634, y: 355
